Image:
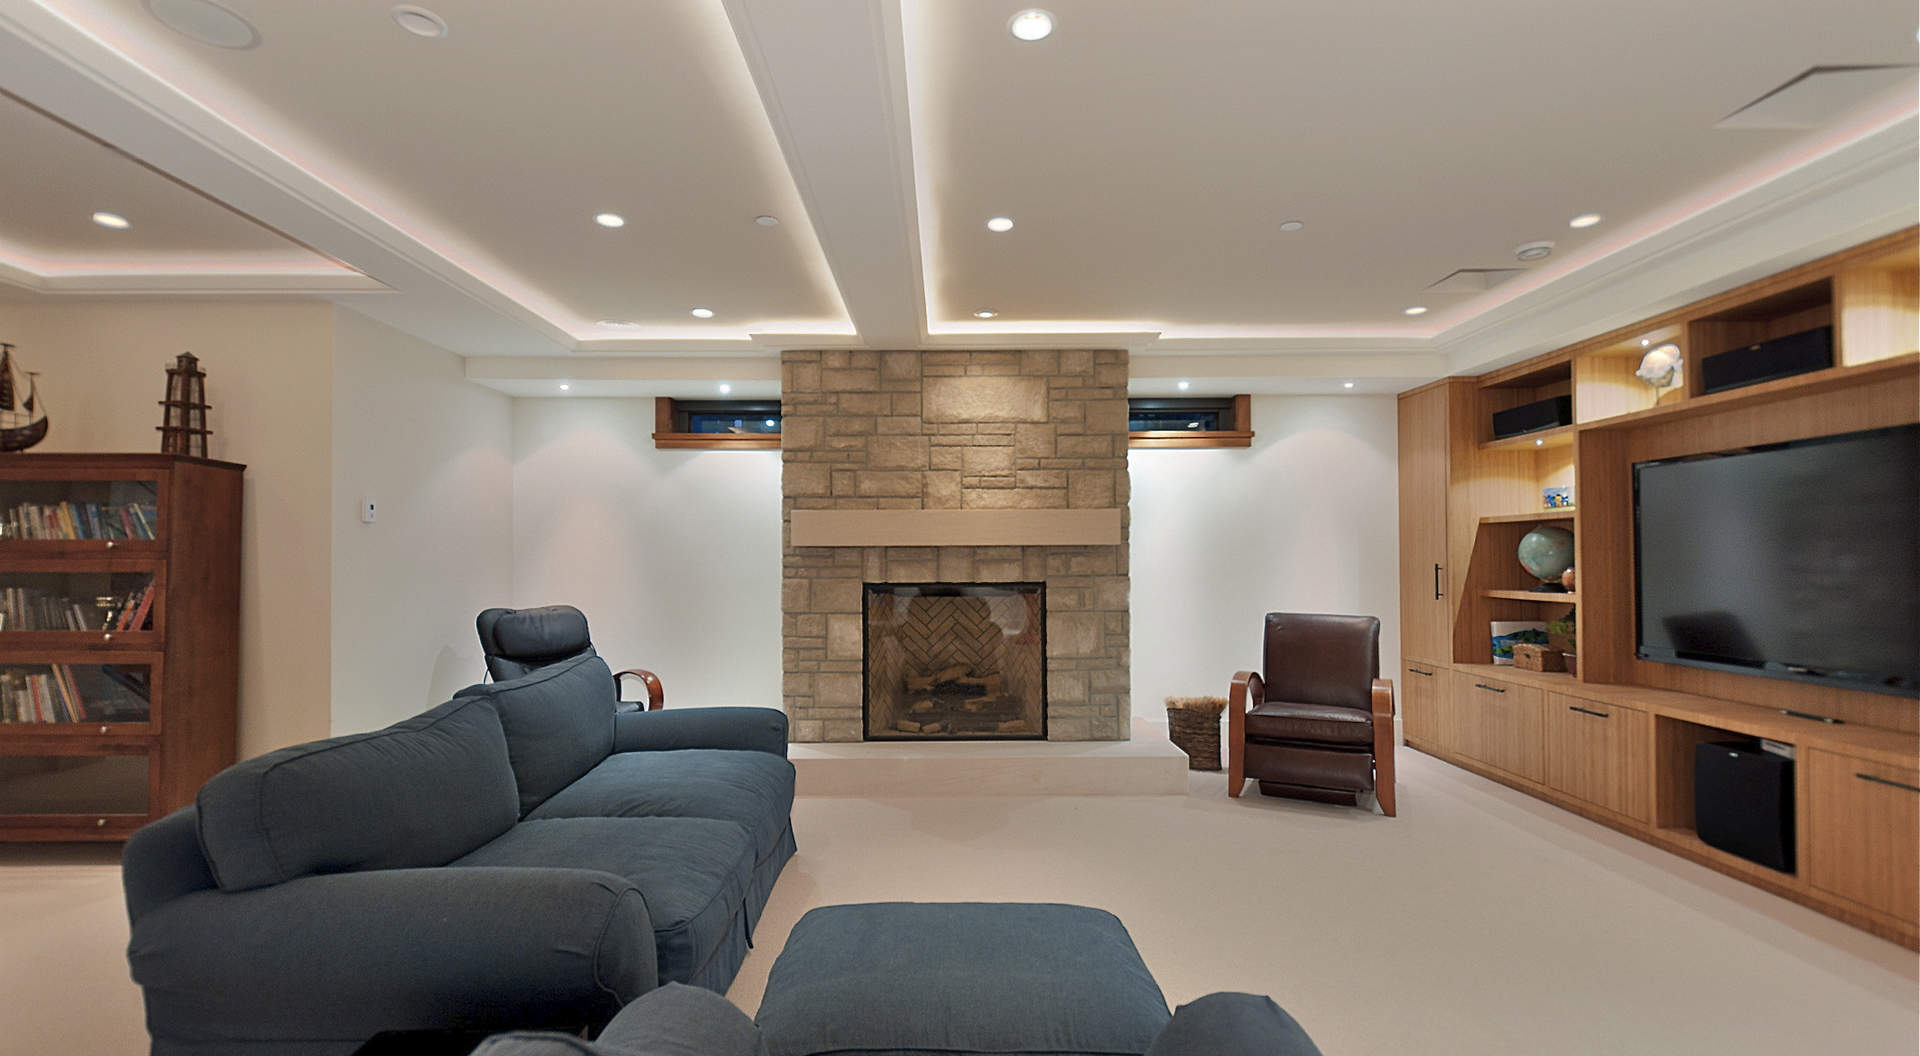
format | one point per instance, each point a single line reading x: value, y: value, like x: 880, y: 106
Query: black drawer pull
x: 1884, y: 781
x: 1417, y: 671
x: 1490, y: 689
x: 1436, y: 583
x: 1589, y: 711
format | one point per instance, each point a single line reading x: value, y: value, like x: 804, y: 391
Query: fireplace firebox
x: 955, y: 661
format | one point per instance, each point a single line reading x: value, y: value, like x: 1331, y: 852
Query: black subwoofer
x: 1533, y: 417
x: 1781, y: 357
x: 1743, y: 801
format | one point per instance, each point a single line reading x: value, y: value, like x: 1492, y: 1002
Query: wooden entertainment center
x: 1614, y: 741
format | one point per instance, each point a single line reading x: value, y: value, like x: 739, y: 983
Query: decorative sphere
x: 1546, y: 552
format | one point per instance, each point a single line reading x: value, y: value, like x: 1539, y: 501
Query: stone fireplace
x: 982, y: 495
x: 955, y: 660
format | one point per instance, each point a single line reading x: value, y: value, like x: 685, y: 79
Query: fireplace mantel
x: 956, y: 528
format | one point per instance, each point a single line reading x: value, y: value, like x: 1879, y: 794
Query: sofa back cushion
x: 558, y: 721
x: 419, y: 793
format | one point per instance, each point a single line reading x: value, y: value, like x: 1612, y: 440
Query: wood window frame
x: 669, y: 430
x: 1236, y: 426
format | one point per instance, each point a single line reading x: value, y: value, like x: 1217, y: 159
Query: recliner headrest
x: 518, y: 641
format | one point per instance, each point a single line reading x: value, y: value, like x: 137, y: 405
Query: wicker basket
x: 1193, y: 724
x: 1528, y: 656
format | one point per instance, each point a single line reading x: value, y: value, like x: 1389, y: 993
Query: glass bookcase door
x: 100, y: 601
x: 112, y: 511
x: 83, y: 695
x: 75, y: 784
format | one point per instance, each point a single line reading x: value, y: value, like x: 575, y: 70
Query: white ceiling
x: 1147, y: 152
x: 53, y: 179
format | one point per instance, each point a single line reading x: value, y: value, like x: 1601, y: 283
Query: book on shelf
x: 82, y: 520
x: 34, y: 609
x: 56, y: 694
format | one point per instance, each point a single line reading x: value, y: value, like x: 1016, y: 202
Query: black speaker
x: 1743, y: 801
x: 1532, y: 417
x: 1781, y: 357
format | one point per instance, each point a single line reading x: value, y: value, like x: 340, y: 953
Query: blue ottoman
x: 932, y: 979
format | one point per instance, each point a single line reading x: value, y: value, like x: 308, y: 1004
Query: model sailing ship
x: 23, y: 426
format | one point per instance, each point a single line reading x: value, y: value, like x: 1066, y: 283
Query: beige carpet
x: 1479, y: 921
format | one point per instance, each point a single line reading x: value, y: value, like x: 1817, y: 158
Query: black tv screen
x: 1798, y: 561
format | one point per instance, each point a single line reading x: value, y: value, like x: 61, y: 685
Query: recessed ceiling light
x: 420, y: 22
x: 1183, y: 384
x: 1584, y: 220
x: 767, y: 221
x: 609, y: 219
x: 702, y: 313
x: 1000, y: 223
x: 1291, y: 225
x: 206, y: 22
x: 1418, y: 309
x: 1346, y: 384
x: 1539, y: 443
x: 725, y: 388
x: 1532, y: 251
x: 1645, y: 341
x: 1031, y: 24
x: 564, y: 386
x: 985, y: 313
x: 113, y: 220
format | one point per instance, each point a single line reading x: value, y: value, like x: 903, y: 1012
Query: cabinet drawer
x: 1860, y: 832
x: 1423, y: 700
x: 1599, y: 753
x: 1498, y: 723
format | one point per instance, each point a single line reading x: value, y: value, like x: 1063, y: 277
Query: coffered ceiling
x: 1148, y: 154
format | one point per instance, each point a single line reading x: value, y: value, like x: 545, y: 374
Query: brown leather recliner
x: 1319, y: 723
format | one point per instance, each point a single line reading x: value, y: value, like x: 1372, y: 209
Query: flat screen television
x: 1797, y: 561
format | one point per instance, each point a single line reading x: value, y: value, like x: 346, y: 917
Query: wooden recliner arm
x: 1249, y: 691
x: 656, y: 693
x: 1383, y: 744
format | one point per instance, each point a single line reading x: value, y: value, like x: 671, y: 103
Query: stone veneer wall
x: 955, y: 430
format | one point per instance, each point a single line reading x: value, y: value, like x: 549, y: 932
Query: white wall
x: 1303, y: 521
x: 673, y: 555
x: 103, y: 371
x: 434, y: 452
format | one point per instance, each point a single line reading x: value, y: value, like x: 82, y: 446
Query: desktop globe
x: 1545, y: 553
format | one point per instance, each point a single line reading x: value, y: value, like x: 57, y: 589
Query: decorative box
x: 1528, y: 656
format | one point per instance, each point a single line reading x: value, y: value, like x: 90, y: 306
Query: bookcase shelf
x: 118, y: 652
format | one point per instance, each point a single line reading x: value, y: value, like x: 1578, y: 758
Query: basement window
x: 718, y: 425
x: 1190, y: 421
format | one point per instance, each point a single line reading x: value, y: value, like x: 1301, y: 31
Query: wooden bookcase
x: 113, y: 712
x: 1614, y: 740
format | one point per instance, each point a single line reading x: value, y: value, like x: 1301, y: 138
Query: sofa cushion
x: 692, y: 872
x: 950, y: 978
x: 1228, y: 1024
x: 753, y: 789
x: 558, y: 721
x: 418, y: 793
x: 1278, y: 720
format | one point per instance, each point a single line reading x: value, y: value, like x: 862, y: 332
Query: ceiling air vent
x: 1474, y: 280
x: 1816, y: 97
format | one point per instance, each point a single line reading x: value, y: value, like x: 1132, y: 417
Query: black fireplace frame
x: 956, y: 590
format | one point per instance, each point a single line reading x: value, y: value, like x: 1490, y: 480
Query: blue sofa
x: 524, y: 855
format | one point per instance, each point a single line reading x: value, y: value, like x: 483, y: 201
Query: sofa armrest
x: 1248, y: 691
x: 162, y: 861
x: 1228, y: 1024
x: 672, y: 1019
x: 739, y: 729
x: 344, y: 956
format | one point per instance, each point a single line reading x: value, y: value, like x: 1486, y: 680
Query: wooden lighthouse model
x: 184, y: 427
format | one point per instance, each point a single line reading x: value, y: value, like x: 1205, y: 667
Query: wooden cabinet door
x: 1425, y: 629
x: 1499, y: 724
x: 1423, y: 701
x: 1600, y: 753
x: 1860, y: 828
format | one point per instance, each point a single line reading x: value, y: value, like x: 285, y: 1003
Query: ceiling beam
x: 832, y: 77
